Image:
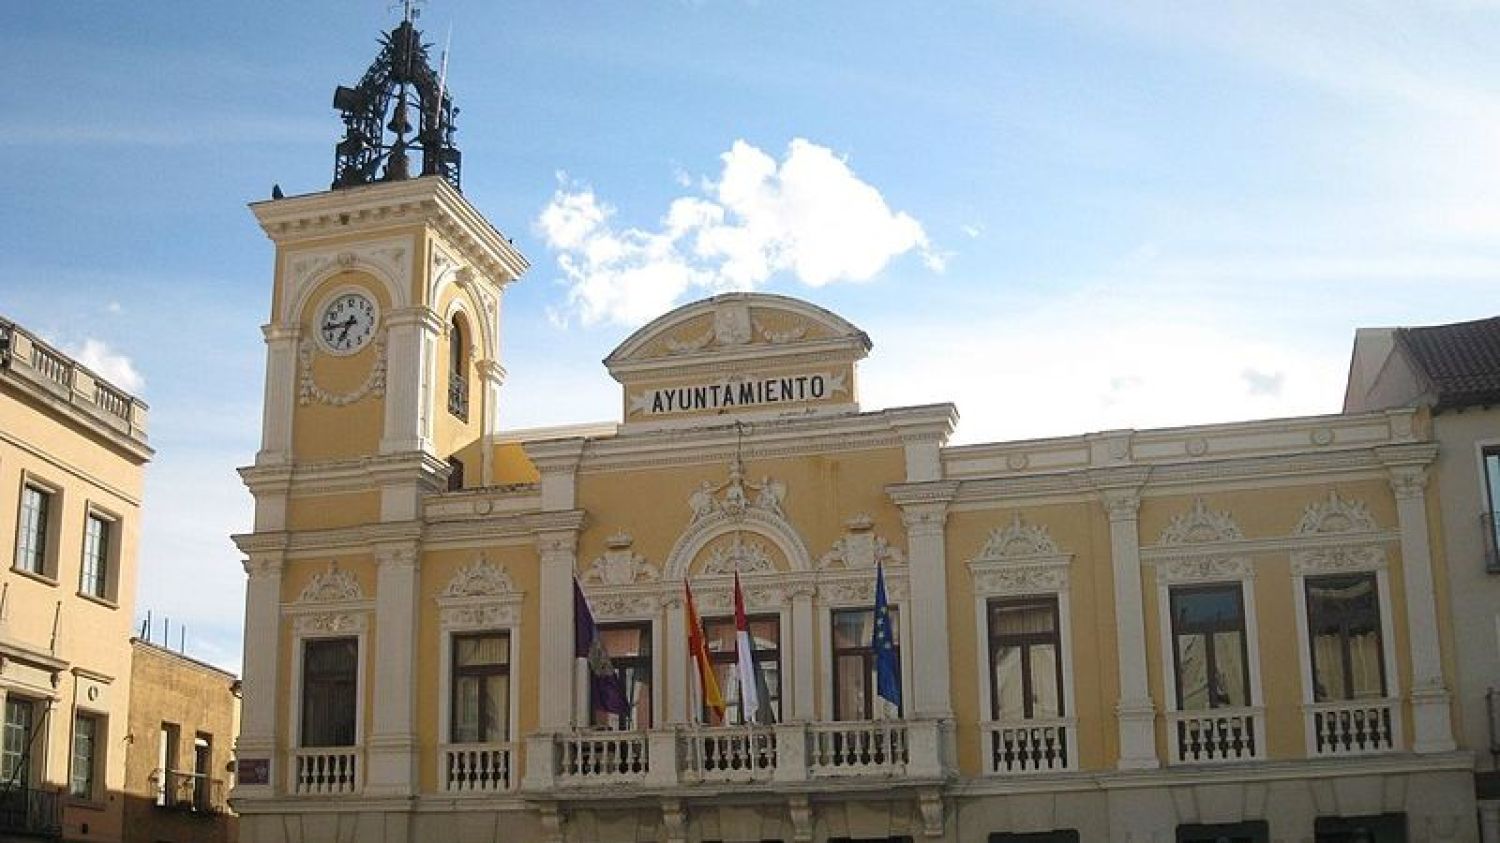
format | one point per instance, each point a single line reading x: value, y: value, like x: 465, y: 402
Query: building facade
x: 1452, y: 372
x: 184, y: 715
x: 72, y: 456
x: 1231, y: 631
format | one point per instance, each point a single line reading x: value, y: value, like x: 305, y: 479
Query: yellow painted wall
x: 322, y: 431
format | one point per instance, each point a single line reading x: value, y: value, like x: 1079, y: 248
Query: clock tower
x: 382, y: 386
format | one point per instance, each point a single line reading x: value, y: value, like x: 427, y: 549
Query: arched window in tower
x: 458, y: 369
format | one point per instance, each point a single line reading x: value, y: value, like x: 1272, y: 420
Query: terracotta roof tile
x: 1461, y: 362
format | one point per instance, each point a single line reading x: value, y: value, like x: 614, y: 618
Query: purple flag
x: 606, y: 691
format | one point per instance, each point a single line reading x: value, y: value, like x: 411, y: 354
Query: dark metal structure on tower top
x: 378, y: 131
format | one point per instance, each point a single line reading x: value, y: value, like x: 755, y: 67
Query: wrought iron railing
x: 30, y: 813
x: 458, y: 396
x: 188, y: 791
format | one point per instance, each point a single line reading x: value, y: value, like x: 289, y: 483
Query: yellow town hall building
x: 1226, y: 632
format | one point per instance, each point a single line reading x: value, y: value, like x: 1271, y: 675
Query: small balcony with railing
x: 189, y: 792
x: 29, y: 813
x: 1029, y: 746
x: 1353, y: 727
x: 886, y: 750
x: 326, y: 771
x: 476, y: 768
x: 1216, y: 735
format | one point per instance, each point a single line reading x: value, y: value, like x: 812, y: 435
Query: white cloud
x: 808, y: 215
x: 105, y: 362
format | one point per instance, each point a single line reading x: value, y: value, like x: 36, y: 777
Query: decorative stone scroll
x: 1335, y: 515
x: 1199, y: 526
x: 331, y: 623
x: 1338, y: 560
x: 331, y: 586
x: 1020, y: 558
x: 481, y: 595
x: 308, y: 390
x: 860, y: 548
x: 739, y: 556
x: 1195, y: 569
x: 619, y: 565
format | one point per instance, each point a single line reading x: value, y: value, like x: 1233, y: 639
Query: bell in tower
x: 378, y: 131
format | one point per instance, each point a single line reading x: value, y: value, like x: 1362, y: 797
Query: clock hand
x: 348, y: 323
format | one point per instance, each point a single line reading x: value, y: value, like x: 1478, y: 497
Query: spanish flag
x: 698, y: 647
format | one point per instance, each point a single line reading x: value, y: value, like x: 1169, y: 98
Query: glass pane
x: 466, y: 709
x: 1328, y: 668
x: 81, y: 781
x: 1207, y: 608
x: 1365, y: 666
x: 328, y: 692
x: 1492, y: 478
x: 497, y: 709
x: 1192, y: 672
x: 1020, y: 618
x: 31, y: 543
x: 18, y: 724
x: 1231, y: 685
x: 852, y: 629
x: 719, y: 632
x: 473, y: 650
x: 637, y: 682
x: 1010, y: 696
x: 622, y: 641
x: 1044, y: 699
x: 853, y: 687
x: 765, y: 633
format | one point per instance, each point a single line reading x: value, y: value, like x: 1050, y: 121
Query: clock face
x: 347, y: 323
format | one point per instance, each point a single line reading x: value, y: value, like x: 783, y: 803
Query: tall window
x: 1026, y: 679
x: 1253, y: 831
x: 1208, y: 636
x: 455, y: 474
x: 94, y: 579
x: 765, y: 640
x: 31, y: 539
x: 203, y: 757
x: 16, y: 747
x: 854, y: 681
x: 329, y: 685
x: 458, y: 367
x: 85, y: 756
x: 1343, y: 621
x: 481, y: 688
x: 629, y: 648
x: 1492, y: 507
x: 166, y: 762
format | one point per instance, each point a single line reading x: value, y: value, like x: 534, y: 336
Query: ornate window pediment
x: 1199, y: 525
x: 481, y: 595
x: 1204, y: 569
x: 619, y: 565
x: 331, y: 586
x: 332, y: 603
x: 1019, y: 558
x: 1335, y: 515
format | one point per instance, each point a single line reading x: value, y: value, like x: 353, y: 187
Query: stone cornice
x: 1267, y: 545
x: 939, y: 492
x: 341, y: 476
x: 429, y: 202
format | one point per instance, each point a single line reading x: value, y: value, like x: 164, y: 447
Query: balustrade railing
x: 476, y: 768
x: 1215, y: 735
x: 856, y: 748
x: 51, y: 365
x: 326, y: 771
x: 1029, y: 746
x: 188, y: 791
x: 602, y: 757
x: 729, y: 753
x: 1353, y: 727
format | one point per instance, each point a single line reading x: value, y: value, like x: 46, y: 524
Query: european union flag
x: 883, y: 642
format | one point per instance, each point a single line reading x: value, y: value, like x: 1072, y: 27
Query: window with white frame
x: 330, y: 681
x: 1210, y: 654
x: 98, y: 543
x: 1490, y: 460
x: 84, y: 764
x: 1344, y: 630
x: 33, y: 530
x: 855, y: 681
x: 628, y: 645
x: 20, y: 743
x: 723, y: 657
x: 480, y: 688
x: 1025, y: 657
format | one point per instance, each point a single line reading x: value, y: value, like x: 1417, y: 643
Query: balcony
x: 30, y: 813
x: 326, y: 771
x: 1217, y: 735
x: 1353, y: 727
x: 1039, y: 745
x: 884, y: 750
x: 476, y: 767
x: 190, y: 792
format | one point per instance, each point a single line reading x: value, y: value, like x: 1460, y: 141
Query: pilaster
x: 411, y: 335
x: 924, y: 511
x: 1430, y: 699
x: 1119, y: 493
x: 392, y: 749
x: 804, y: 642
x: 558, y: 550
x: 280, y: 399
x: 676, y: 668
x: 260, y: 701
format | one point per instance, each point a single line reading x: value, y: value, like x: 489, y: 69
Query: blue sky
x: 1063, y: 216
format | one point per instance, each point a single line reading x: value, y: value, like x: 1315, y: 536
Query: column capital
x: 1408, y: 481
x: 402, y: 555
x: 264, y: 564
x: 277, y: 333
x: 1121, y: 504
